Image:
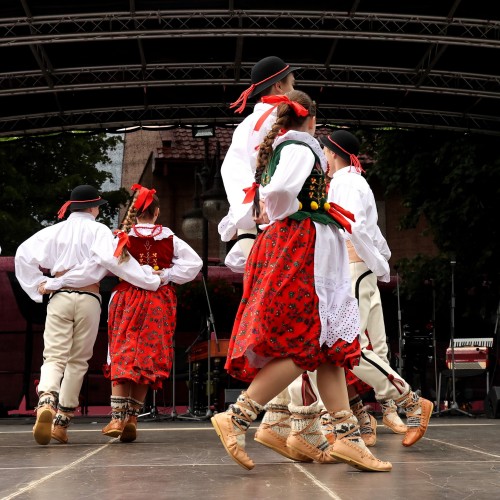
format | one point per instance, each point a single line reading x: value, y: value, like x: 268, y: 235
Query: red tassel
x: 242, y: 100
x: 63, y: 209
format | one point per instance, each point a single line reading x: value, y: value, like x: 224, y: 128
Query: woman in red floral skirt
x: 141, y: 323
x: 297, y: 312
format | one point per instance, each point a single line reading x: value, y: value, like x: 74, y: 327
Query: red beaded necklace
x: 155, y: 231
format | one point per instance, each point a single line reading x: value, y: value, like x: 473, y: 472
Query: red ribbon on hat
x: 63, y: 209
x: 341, y: 215
x: 144, y: 198
x: 276, y: 100
x: 353, y: 158
x: 123, y: 241
x: 242, y: 100
x: 250, y: 193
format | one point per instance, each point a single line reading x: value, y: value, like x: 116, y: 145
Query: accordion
x: 469, y: 354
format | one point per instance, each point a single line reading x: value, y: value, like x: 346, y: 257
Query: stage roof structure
x: 109, y: 65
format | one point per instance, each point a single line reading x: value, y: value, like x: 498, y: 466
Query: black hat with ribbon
x: 345, y: 144
x: 265, y: 73
x: 82, y: 197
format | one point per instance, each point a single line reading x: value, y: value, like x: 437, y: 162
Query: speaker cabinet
x: 492, y: 403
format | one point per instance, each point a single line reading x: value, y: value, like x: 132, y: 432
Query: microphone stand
x: 454, y: 406
x: 190, y: 414
x: 211, y: 334
x: 400, y: 331
x: 434, y: 346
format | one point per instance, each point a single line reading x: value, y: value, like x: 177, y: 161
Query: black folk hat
x: 342, y: 143
x: 268, y: 71
x: 82, y: 197
x: 85, y: 196
x: 265, y: 73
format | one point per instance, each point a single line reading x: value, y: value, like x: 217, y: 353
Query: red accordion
x: 470, y: 354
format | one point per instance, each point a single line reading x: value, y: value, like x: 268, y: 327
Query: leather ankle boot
x: 350, y: 448
x: 269, y: 435
x: 232, y: 425
x: 306, y: 436
x: 114, y: 427
x: 390, y: 417
x: 367, y: 423
x: 418, y: 413
x: 45, y: 413
x: 129, y: 432
x: 60, y: 425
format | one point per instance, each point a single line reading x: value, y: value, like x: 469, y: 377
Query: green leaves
x: 37, y: 175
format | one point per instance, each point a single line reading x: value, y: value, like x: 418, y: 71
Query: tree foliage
x: 37, y: 175
x: 453, y: 180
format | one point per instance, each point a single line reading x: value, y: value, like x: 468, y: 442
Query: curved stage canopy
x: 107, y: 65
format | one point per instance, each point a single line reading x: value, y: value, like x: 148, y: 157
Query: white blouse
x: 338, y: 309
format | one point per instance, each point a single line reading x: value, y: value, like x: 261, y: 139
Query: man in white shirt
x: 78, y: 252
x: 270, y: 76
x: 368, y: 262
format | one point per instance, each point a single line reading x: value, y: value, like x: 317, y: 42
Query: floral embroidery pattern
x: 280, y: 274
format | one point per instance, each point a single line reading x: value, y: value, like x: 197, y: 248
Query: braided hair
x: 133, y: 214
x: 286, y: 120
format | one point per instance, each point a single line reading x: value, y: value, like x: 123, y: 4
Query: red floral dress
x: 142, y: 323
x: 279, y: 315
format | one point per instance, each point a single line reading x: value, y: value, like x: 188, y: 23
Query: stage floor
x: 458, y: 458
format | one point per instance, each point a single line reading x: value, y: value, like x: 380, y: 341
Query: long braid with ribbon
x: 123, y: 239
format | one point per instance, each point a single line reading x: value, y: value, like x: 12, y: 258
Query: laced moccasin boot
x: 327, y: 426
x: 61, y: 423
x: 350, y: 448
x: 418, y: 413
x: 390, y: 417
x: 275, y: 429
x: 306, y: 436
x: 129, y: 433
x: 367, y: 423
x: 118, y: 414
x: 232, y: 425
x: 45, y: 413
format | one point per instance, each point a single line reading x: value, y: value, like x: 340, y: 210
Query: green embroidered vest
x: 312, y: 196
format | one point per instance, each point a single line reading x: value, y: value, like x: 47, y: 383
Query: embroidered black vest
x: 313, y: 194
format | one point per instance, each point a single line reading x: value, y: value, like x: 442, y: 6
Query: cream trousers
x: 70, y: 332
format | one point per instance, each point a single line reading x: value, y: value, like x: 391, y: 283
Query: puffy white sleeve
x: 280, y: 195
x: 351, y: 198
x: 27, y: 266
x: 186, y: 264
